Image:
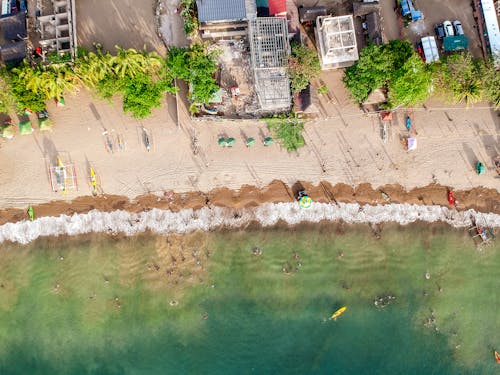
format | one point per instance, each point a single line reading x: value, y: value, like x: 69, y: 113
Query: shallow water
x: 136, y: 305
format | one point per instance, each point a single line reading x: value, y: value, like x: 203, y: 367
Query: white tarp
x: 412, y: 144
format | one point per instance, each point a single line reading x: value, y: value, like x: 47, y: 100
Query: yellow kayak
x: 339, y: 312
x: 93, y: 181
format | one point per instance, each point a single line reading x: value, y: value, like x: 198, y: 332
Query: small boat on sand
x: 497, y: 357
x: 339, y: 312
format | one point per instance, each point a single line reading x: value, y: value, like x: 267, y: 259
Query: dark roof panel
x: 14, y: 52
x: 12, y: 28
x: 221, y: 10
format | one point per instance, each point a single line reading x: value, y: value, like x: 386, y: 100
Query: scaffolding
x: 337, y: 41
x: 270, y: 49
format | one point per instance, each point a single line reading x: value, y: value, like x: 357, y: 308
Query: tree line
x: 408, y: 81
x: 140, y: 77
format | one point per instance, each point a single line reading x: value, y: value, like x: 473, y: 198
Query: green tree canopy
x: 197, y: 66
x: 303, y: 66
x: 377, y: 66
x: 459, y: 79
x: 491, y: 85
x: 411, y: 84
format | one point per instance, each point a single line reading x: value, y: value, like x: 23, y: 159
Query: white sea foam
x: 188, y: 220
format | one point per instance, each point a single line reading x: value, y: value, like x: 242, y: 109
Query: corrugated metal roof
x: 221, y: 10
x: 491, y: 21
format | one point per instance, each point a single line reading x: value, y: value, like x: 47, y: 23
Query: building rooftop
x: 12, y: 35
x: 491, y: 22
x: 12, y: 27
x: 221, y: 10
x: 337, y: 41
x: 270, y: 49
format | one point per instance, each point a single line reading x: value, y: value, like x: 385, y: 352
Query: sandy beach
x: 344, y: 149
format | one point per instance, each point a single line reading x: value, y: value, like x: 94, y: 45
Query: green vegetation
x: 303, y: 66
x: 396, y: 68
x: 33, y: 86
x: 188, y: 14
x: 197, y: 66
x: 7, y: 99
x: 460, y: 79
x: 379, y: 66
x: 140, y: 77
x: 55, y: 58
x: 491, y: 85
x: 411, y: 84
x: 288, y: 130
x: 323, y: 89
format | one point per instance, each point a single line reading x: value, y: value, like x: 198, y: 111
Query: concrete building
x: 56, y: 25
x: 336, y: 40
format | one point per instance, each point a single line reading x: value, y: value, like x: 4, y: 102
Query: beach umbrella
x: 230, y: 142
x: 7, y: 131
x: 479, y: 168
x: 250, y: 141
x: 268, y: 141
x: 25, y: 128
x: 305, y: 201
x: 44, y: 124
x: 222, y: 142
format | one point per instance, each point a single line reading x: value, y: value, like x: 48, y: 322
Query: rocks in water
x: 256, y: 251
x: 384, y: 301
x: 431, y: 322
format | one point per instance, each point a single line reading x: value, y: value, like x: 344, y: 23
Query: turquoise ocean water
x: 204, y: 303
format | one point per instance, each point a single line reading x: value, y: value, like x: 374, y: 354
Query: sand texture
x: 344, y: 149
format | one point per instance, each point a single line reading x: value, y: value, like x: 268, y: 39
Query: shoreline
x: 219, y: 208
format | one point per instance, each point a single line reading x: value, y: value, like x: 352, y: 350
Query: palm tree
x: 60, y: 80
x: 128, y: 62
x: 30, y: 78
x: 93, y: 68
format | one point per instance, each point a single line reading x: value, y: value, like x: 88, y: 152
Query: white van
x: 448, y: 28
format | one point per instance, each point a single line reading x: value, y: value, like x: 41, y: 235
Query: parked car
x: 448, y: 28
x: 457, y: 25
x: 439, y: 29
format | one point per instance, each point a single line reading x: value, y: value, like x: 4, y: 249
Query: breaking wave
x: 210, y: 218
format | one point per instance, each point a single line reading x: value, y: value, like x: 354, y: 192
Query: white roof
x: 430, y: 49
x: 491, y: 21
x: 337, y: 39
